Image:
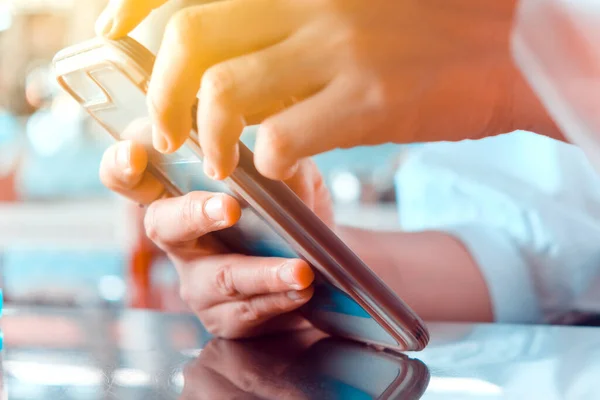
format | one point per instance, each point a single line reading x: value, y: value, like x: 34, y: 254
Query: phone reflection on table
x: 302, y: 366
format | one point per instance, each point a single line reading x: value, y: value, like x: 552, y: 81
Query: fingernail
x: 286, y: 274
x: 209, y: 170
x: 159, y: 140
x: 123, y: 154
x: 297, y: 295
x: 213, y: 208
x: 104, y: 24
x: 123, y: 158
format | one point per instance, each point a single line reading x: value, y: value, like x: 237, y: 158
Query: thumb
x: 302, y: 181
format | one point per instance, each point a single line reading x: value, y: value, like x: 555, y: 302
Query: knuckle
x: 212, y: 325
x: 224, y: 281
x: 345, y: 39
x: 378, y: 98
x: 352, y: 40
x: 275, y: 137
x: 193, y: 297
x: 219, y: 83
x: 187, y: 212
x: 375, y: 96
x: 246, y: 312
x: 280, y: 304
x: 183, y: 25
x: 270, y: 277
x: 216, y: 327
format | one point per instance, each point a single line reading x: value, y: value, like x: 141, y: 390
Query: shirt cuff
x: 505, y: 271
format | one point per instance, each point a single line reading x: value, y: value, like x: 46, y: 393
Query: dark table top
x: 123, y: 354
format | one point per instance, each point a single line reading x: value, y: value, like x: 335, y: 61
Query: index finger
x: 121, y: 16
x: 215, y: 280
x: 198, y: 38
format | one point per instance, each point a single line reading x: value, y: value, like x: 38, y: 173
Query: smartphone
x: 335, y: 369
x: 109, y: 78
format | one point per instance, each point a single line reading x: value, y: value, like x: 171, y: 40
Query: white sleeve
x: 505, y: 271
x: 538, y: 252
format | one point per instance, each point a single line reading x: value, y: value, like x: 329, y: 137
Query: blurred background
x: 64, y: 239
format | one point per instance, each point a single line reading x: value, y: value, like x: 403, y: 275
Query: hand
x: 358, y: 72
x: 233, y: 295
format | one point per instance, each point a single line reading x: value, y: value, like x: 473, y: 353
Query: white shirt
x: 527, y: 208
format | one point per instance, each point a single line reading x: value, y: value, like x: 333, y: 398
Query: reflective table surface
x: 116, y: 354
